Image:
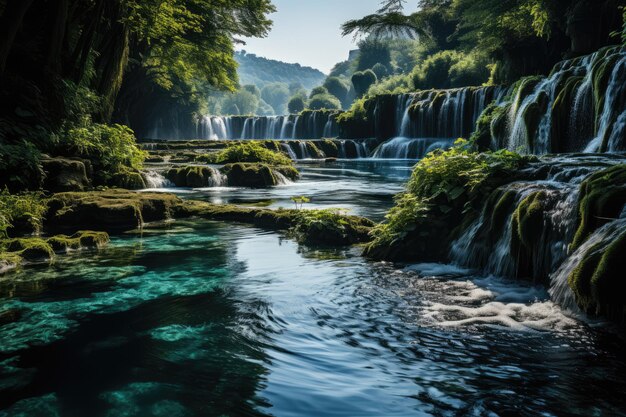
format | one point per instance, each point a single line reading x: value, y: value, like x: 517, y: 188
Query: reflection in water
x: 216, y: 319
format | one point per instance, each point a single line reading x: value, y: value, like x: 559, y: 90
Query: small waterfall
x: 281, y: 179
x: 154, y: 179
x: 216, y: 179
x: 294, y: 133
x: 351, y: 149
x: 406, y: 148
x: 289, y: 151
x: 581, y: 106
x: 304, y: 150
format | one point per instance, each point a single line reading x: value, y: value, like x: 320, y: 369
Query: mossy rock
x: 155, y: 159
x: 253, y: 175
x: 598, y: 280
x: 31, y: 249
x: 314, y: 151
x: 9, y: 261
x: 527, y: 222
x: 62, y: 174
x: 191, y: 176
x: 129, y: 180
x: 79, y: 240
x: 602, y: 199
x: 329, y: 148
x: 108, y: 211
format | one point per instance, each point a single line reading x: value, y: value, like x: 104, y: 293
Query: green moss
x: 501, y: 210
x: 598, y: 283
x: 314, y: 150
x: 329, y: 148
x: 602, y: 198
x: 257, y: 175
x: 252, y: 152
x: 527, y: 222
x: 9, y: 261
x: 191, y: 176
x: 129, y: 180
x: 561, y: 113
x: 31, y: 249
x: 483, y: 136
x: 81, y: 239
x: 108, y: 211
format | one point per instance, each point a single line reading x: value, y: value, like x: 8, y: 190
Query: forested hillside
x: 262, y: 71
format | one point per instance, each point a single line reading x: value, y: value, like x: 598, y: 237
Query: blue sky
x: 308, y: 31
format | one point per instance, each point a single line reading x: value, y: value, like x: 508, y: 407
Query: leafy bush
x: 296, y: 105
x: 380, y: 70
x: 318, y: 91
x: 276, y: 95
x: 337, y: 88
x: 396, y: 84
x: 362, y: 81
x: 112, y: 148
x: 29, y: 207
x: 253, y: 152
x: 453, y: 176
x: 450, y: 69
x: 20, y: 168
x: 324, y: 101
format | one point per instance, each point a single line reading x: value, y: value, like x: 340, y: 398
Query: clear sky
x: 308, y: 31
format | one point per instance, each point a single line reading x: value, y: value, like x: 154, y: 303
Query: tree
x: 380, y: 70
x: 372, y: 52
x: 318, y: 91
x: 296, y: 86
x: 362, y: 81
x: 253, y: 89
x: 296, y: 104
x: 337, y: 88
x: 245, y: 101
x: 324, y: 101
x: 276, y: 95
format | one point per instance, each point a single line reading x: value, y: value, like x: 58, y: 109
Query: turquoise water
x: 219, y: 319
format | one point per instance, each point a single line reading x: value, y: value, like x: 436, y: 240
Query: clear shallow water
x: 218, y: 319
x: 363, y: 187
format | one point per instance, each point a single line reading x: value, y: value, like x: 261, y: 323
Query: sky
x: 308, y: 32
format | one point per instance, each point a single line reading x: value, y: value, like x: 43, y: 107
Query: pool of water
x: 218, y: 319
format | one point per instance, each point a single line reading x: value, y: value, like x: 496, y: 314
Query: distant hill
x: 261, y: 71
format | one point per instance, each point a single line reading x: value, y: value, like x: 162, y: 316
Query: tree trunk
x: 10, y: 23
x: 57, y: 35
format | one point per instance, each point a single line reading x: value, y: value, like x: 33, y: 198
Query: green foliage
x: 276, y: 95
x: 324, y: 101
x: 442, y: 181
x: 300, y: 201
x: 336, y: 87
x: 318, y: 90
x: 329, y: 227
x: 253, y: 152
x: 396, y: 84
x: 242, y: 102
x: 296, y: 105
x: 20, y: 168
x: 450, y: 69
x: 260, y: 71
x: 362, y: 81
x: 252, y: 89
x: 371, y: 52
x: 27, y: 206
x: 380, y: 70
x: 112, y: 148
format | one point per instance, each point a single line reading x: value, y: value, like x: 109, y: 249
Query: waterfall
x: 580, y: 106
x: 350, y: 149
x: 304, y: 150
x: 287, y: 148
x: 295, y: 128
x: 488, y: 244
x: 406, y: 148
x: 281, y: 179
x: 154, y: 179
x: 216, y: 179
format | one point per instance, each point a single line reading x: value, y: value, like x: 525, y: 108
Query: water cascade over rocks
x: 579, y: 107
x: 308, y: 125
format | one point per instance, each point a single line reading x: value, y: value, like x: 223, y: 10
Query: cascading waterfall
x: 309, y: 125
x: 492, y: 244
x: 581, y: 106
x: 406, y: 148
x: 352, y: 149
x: 154, y: 179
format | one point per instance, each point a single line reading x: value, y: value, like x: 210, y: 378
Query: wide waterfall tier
x: 307, y: 125
x: 443, y: 113
x: 580, y: 107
